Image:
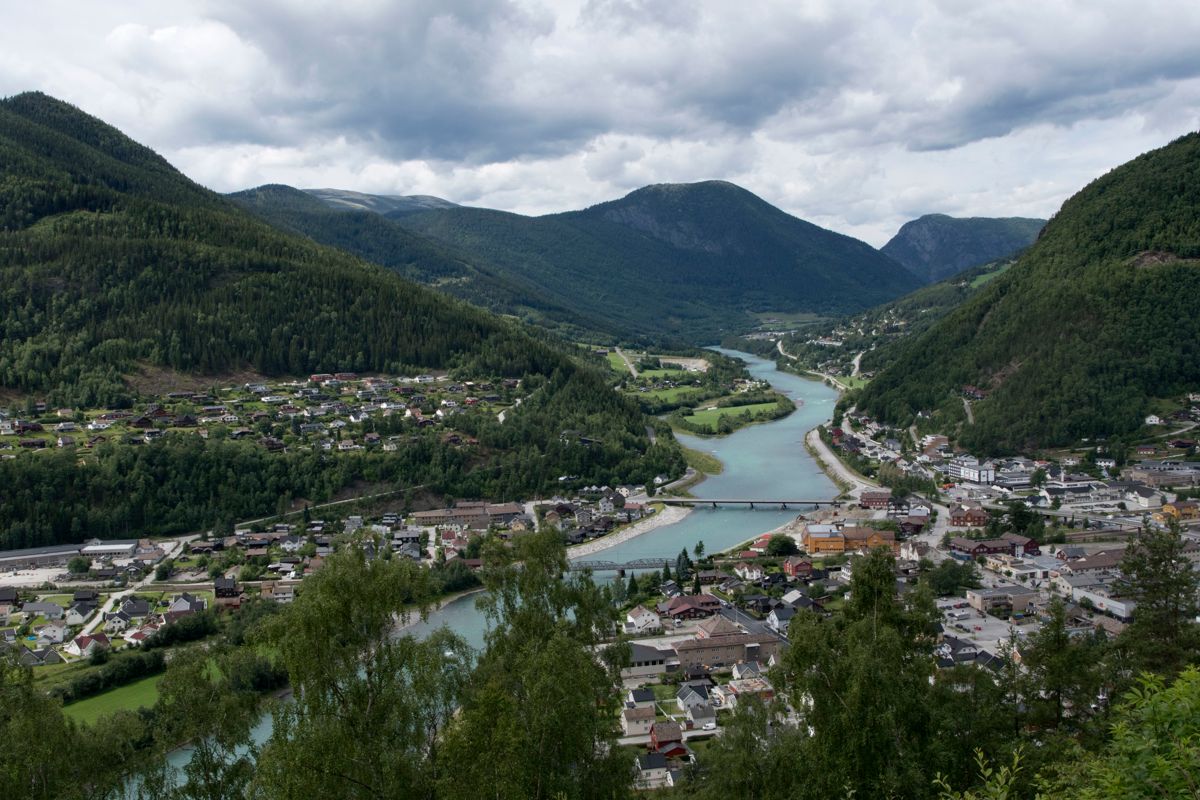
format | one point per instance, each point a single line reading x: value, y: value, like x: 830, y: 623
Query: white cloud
x: 855, y: 115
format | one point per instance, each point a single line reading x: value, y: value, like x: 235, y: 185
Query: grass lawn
x: 855, y: 381
x: 617, y: 363
x: 989, y: 276
x: 672, y: 374
x: 663, y: 691
x: 669, y: 395
x: 711, y: 417
x: 140, y: 694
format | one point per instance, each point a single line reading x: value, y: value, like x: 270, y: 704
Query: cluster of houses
x: 56, y: 631
x: 593, y: 513
x: 694, y: 707
x: 1138, y: 485
x: 328, y: 411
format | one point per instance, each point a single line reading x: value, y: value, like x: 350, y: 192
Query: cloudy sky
x: 855, y: 115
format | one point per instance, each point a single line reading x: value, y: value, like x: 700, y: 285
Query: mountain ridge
x: 691, y: 261
x: 1096, y: 321
x: 938, y: 246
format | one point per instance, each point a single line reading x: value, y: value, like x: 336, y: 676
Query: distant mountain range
x: 935, y: 246
x: 682, y: 262
x: 389, y: 205
x: 1094, y: 327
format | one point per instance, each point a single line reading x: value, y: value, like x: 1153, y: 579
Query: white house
x: 748, y: 572
x: 651, y: 771
x: 84, y: 646
x: 637, y: 721
x: 641, y: 621
x: 1154, y: 419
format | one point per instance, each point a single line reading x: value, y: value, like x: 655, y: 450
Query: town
x: 331, y: 412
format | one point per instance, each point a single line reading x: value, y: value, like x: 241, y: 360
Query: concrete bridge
x: 725, y: 501
x: 613, y: 566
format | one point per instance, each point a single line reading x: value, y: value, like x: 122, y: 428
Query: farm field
x: 140, y: 694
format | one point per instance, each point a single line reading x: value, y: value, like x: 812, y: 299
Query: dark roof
x: 641, y: 695
x: 652, y: 761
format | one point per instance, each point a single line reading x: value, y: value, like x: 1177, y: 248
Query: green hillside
x: 372, y: 235
x: 112, y: 262
x: 936, y: 246
x: 688, y: 262
x: 112, y: 258
x: 1094, y: 321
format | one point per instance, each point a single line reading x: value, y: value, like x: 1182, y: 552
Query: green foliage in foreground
x: 380, y: 714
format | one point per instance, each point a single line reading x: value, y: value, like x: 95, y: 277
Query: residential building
x: 641, y: 621
x: 1001, y: 601
x: 637, y: 721
x: 968, y: 515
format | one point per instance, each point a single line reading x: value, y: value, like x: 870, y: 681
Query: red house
x: 797, y: 567
x: 968, y: 516
x: 666, y: 738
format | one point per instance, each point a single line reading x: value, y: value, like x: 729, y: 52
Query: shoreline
x: 668, y: 516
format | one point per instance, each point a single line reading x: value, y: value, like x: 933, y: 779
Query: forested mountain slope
x: 111, y: 257
x: 370, y: 234
x: 112, y: 261
x: 936, y: 246
x: 689, y: 262
x: 1098, y: 317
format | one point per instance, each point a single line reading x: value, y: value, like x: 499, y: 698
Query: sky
x: 855, y: 115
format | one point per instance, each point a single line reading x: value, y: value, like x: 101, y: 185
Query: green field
x: 140, y: 694
x: 617, y: 363
x: 665, y: 374
x: 711, y: 417
x: 669, y: 395
x: 988, y: 276
x: 855, y: 381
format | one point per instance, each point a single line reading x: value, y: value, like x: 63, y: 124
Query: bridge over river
x: 726, y: 501
x: 612, y: 566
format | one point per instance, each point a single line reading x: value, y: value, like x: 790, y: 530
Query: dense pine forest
x: 1097, y: 319
x: 112, y: 261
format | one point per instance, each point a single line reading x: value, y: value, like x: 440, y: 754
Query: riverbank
x: 835, y: 468
x: 669, y: 515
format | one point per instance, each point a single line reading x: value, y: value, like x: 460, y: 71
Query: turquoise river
x: 767, y: 461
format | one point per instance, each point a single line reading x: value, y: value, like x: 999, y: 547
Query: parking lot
x: 986, y: 632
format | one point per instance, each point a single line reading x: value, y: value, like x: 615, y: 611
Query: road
x: 628, y: 363
x: 689, y: 476
x: 175, y: 548
x: 858, y: 484
x: 247, y: 522
x: 692, y: 734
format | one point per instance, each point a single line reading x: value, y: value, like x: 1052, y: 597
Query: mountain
x: 112, y: 259
x: 113, y: 265
x: 936, y: 246
x: 389, y: 205
x: 382, y: 240
x: 691, y: 261
x: 1096, y: 324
